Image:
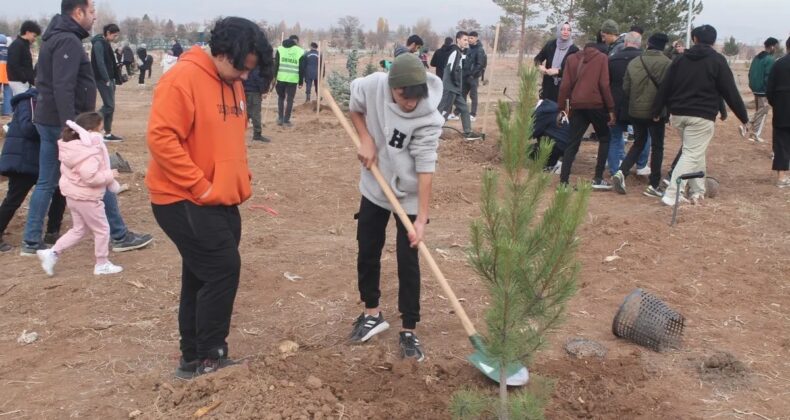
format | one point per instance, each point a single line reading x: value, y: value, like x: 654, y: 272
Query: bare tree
x: 350, y: 26
x: 147, y: 29
x: 519, y: 12
x: 104, y: 16
x: 130, y: 28
x: 423, y: 29
x: 382, y: 33
x: 468, y: 25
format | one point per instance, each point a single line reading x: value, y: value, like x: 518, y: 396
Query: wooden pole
x: 318, y: 80
x: 491, y: 79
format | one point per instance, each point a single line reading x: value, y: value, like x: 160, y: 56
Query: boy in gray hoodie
x: 399, y: 126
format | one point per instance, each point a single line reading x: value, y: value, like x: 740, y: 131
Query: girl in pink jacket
x: 85, y: 175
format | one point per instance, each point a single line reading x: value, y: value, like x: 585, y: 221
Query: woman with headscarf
x: 554, y: 54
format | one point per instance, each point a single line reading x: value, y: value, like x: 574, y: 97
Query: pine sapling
x: 525, y: 257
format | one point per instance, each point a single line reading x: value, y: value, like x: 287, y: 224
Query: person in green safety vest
x: 289, y: 68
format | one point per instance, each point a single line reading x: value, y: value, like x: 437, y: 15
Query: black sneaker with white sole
x: 366, y: 326
x: 187, y: 370
x: 207, y: 366
x: 28, y: 250
x: 601, y: 185
x: 410, y: 346
x: 131, y: 241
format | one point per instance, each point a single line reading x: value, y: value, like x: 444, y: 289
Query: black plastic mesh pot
x: 647, y: 321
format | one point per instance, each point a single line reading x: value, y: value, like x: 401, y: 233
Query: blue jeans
x: 48, y: 178
x: 7, y: 95
x: 616, y: 146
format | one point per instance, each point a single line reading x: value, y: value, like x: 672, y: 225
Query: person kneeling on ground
x: 546, y: 126
x: 399, y: 126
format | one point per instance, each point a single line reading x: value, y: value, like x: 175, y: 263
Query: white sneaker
x: 644, y: 171
x: 472, y: 118
x: 557, y: 168
x: 453, y: 117
x: 743, y: 130
x: 48, y: 260
x: 107, y: 268
x: 697, y: 198
x: 784, y: 183
x: 666, y: 200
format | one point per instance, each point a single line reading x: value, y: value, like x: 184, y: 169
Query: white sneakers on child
x: 48, y: 260
x: 107, y: 268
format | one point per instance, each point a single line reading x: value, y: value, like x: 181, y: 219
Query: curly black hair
x: 236, y: 38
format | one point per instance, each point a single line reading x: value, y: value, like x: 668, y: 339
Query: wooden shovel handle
x: 404, y: 218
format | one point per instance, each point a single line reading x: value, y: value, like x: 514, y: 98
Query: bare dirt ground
x: 107, y: 347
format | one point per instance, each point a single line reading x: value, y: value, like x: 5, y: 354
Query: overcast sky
x: 749, y: 21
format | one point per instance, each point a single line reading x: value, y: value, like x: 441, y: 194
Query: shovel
x: 517, y: 374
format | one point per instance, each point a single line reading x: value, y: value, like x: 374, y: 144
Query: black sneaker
x: 187, y: 370
x: 112, y: 138
x: 51, y: 237
x: 261, y: 138
x: 212, y: 365
x: 4, y: 247
x: 471, y: 136
x: 131, y: 241
x: 366, y: 326
x: 410, y: 346
x: 28, y: 250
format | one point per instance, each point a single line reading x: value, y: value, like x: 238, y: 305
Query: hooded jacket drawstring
x: 222, y: 93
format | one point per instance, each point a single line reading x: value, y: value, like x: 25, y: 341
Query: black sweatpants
x: 781, y: 146
x: 207, y: 237
x: 641, y: 130
x: 19, y: 185
x: 371, y: 235
x: 579, y: 121
x: 285, y: 100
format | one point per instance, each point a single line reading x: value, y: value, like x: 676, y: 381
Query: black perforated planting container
x: 647, y: 321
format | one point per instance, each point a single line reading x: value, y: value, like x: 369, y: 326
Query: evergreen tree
x: 340, y: 85
x: 526, y: 259
x: 731, y: 47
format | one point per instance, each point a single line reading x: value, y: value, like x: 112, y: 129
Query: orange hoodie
x: 196, y: 136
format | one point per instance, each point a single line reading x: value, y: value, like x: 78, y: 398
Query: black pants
x: 19, y: 185
x: 107, y: 110
x: 143, y: 69
x: 579, y: 121
x: 781, y: 146
x: 371, y: 235
x: 554, y: 156
x: 285, y: 99
x: 641, y: 130
x: 207, y: 237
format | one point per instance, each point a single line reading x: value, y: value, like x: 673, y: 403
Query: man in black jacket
x: 255, y: 89
x: 66, y: 88
x: 476, y: 62
x: 106, y: 72
x: 778, y: 93
x: 21, y: 74
x: 618, y: 63
x: 440, y: 56
x: 691, y: 92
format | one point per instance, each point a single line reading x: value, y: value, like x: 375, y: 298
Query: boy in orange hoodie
x: 197, y: 177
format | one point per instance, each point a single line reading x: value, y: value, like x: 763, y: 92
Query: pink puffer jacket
x: 85, y: 172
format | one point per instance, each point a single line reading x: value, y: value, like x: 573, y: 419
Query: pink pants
x: 87, y: 216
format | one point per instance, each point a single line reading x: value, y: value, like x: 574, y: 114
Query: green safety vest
x: 289, y: 64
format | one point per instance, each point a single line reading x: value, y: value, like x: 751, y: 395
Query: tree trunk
x: 504, y: 409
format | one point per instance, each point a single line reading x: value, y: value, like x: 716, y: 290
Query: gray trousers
x: 254, y: 111
x: 757, y: 122
x: 695, y: 133
x: 107, y: 110
x: 450, y: 99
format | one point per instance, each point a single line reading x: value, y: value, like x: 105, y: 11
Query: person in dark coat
x: 554, y: 54
x: 19, y: 162
x: 177, y: 49
x: 145, y: 63
x: 255, y: 88
x: 21, y: 73
x: 618, y: 62
x: 778, y: 93
x: 127, y: 58
x: 545, y: 126
x: 440, y: 56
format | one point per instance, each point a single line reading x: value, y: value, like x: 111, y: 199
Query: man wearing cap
x: 691, y: 92
x: 758, y: 78
x: 399, y: 126
x: 610, y: 34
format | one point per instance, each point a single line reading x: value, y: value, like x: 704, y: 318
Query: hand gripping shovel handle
x: 423, y: 249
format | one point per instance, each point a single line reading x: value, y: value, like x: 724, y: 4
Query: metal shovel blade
x: 517, y: 374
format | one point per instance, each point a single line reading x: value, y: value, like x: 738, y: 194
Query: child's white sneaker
x: 48, y: 260
x: 107, y: 268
